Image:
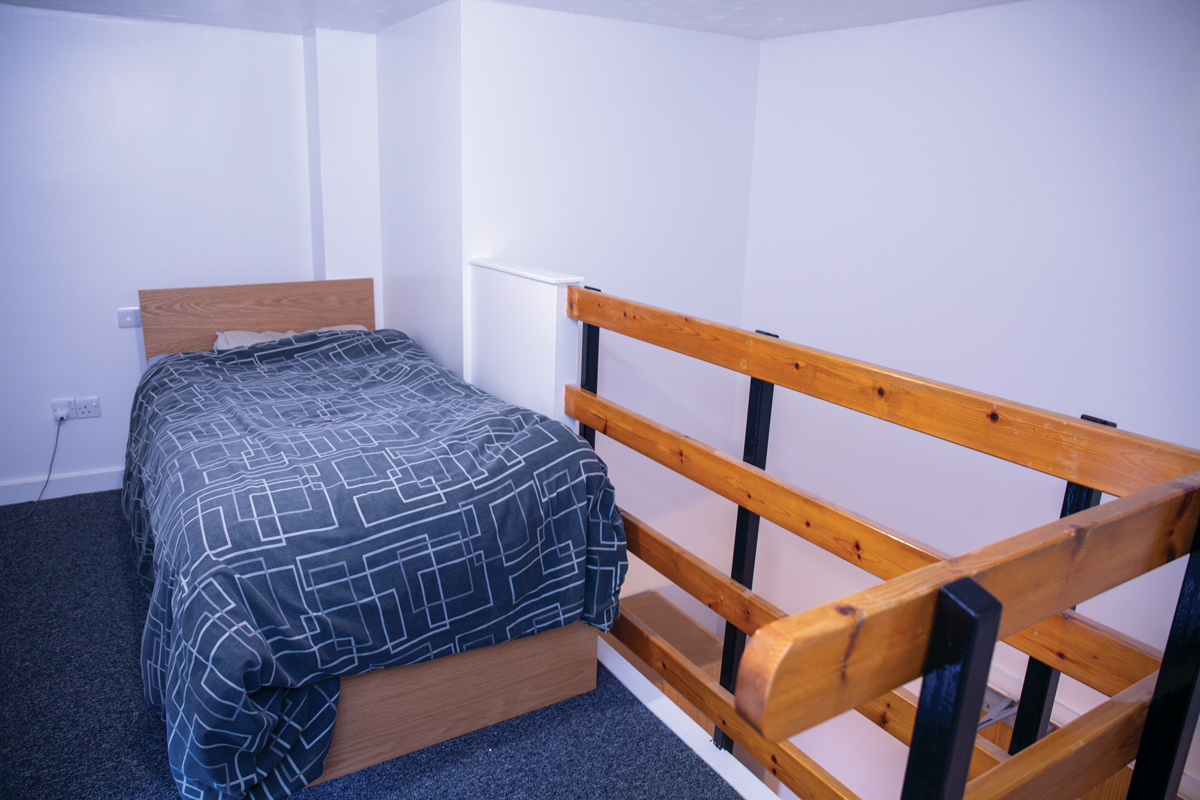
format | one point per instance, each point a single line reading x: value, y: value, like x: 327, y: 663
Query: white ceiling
x: 754, y: 19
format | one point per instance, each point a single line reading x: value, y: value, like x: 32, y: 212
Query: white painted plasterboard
x: 723, y: 763
x: 526, y: 271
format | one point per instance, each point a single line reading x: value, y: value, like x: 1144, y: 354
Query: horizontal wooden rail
x: 1090, y: 454
x: 812, y: 666
x: 1077, y: 756
x: 1100, y: 657
x: 785, y: 761
x: 895, y: 711
x: 873, y: 547
x: 734, y: 602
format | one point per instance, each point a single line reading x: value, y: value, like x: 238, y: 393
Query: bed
x: 935, y: 616
x: 351, y: 553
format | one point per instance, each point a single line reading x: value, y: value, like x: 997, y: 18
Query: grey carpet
x: 73, y: 723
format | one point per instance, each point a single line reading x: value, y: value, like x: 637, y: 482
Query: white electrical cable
x: 53, y: 453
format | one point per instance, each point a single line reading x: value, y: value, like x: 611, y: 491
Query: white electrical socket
x: 87, y: 407
x: 63, y: 408
x: 129, y: 317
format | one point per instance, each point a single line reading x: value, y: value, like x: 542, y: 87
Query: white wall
x: 1005, y: 199
x: 347, y: 193
x: 620, y: 152
x: 132, y: 155
x: 420, y: 179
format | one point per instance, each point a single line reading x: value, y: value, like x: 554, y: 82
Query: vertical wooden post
x: 745, y: 537
x: 1041, y: 680
x: 965, y: 626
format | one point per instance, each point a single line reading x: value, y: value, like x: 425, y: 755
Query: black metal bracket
x: 1171, y: 719
x: 1041, y: 680
x: 589, y: 369
x: 965, y: 626
x: 745, y: 537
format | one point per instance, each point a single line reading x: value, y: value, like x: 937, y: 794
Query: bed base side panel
x: 391, y: 712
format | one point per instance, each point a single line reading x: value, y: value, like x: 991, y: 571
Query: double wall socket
x: 75, y: 408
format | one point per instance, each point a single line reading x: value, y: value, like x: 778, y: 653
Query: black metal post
x: 1037, y: 703
x: 965, y: 626
x: 1171, y: 720
x: 1041, y: 680
x: 745, y: 537
x: 589, y: 369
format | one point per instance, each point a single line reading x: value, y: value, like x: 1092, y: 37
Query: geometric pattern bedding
x: 330, y: 504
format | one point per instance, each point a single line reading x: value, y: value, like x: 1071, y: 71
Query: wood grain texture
x: 1101, y: 657
x: 783, y: 759
x: 817, y: 664
x: 1076, y: 757
x: 734, y: 602
x: 390, y: 712
x: 1115, y: 787
x: 1113, y: 461
x: 187, y: 320
x: 894, y: 711
x: 1085, y: 650
x: 871, y: 546
x: 693, y: 641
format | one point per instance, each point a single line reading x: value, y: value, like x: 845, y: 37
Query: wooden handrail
x: 1100, y: 657
x: 1074, y: 758
x: 817, y: 664
x: 873, y: 547
x: 894, y: 711
x: 1113, y: 461
x: 787, y: 762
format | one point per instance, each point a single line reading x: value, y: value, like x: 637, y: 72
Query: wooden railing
x: 800, y: 670
x: 1113, y: 461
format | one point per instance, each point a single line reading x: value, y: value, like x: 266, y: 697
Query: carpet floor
x: 74, y: 724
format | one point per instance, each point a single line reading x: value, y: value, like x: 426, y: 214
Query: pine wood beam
x: 817, y: 664
x: 1113, y: 461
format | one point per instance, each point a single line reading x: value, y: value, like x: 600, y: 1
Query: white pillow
x: 227, y: 340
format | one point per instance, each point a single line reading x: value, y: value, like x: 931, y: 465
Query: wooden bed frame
x: 390, y: 712
x: 803, y: 669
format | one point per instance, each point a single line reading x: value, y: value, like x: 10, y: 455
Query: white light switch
x: 129, y: 317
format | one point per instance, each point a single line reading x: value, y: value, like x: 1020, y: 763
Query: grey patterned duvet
x: 331, y: 504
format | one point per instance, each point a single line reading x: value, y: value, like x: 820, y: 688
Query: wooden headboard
x: 187, y: 320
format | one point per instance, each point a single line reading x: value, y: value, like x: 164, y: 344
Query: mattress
x: 330, y: 504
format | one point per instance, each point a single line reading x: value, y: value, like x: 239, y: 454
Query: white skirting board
x: 724, y: 764
x: 24, y: 490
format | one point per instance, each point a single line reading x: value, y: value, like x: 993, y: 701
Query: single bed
x: 313, y: 512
